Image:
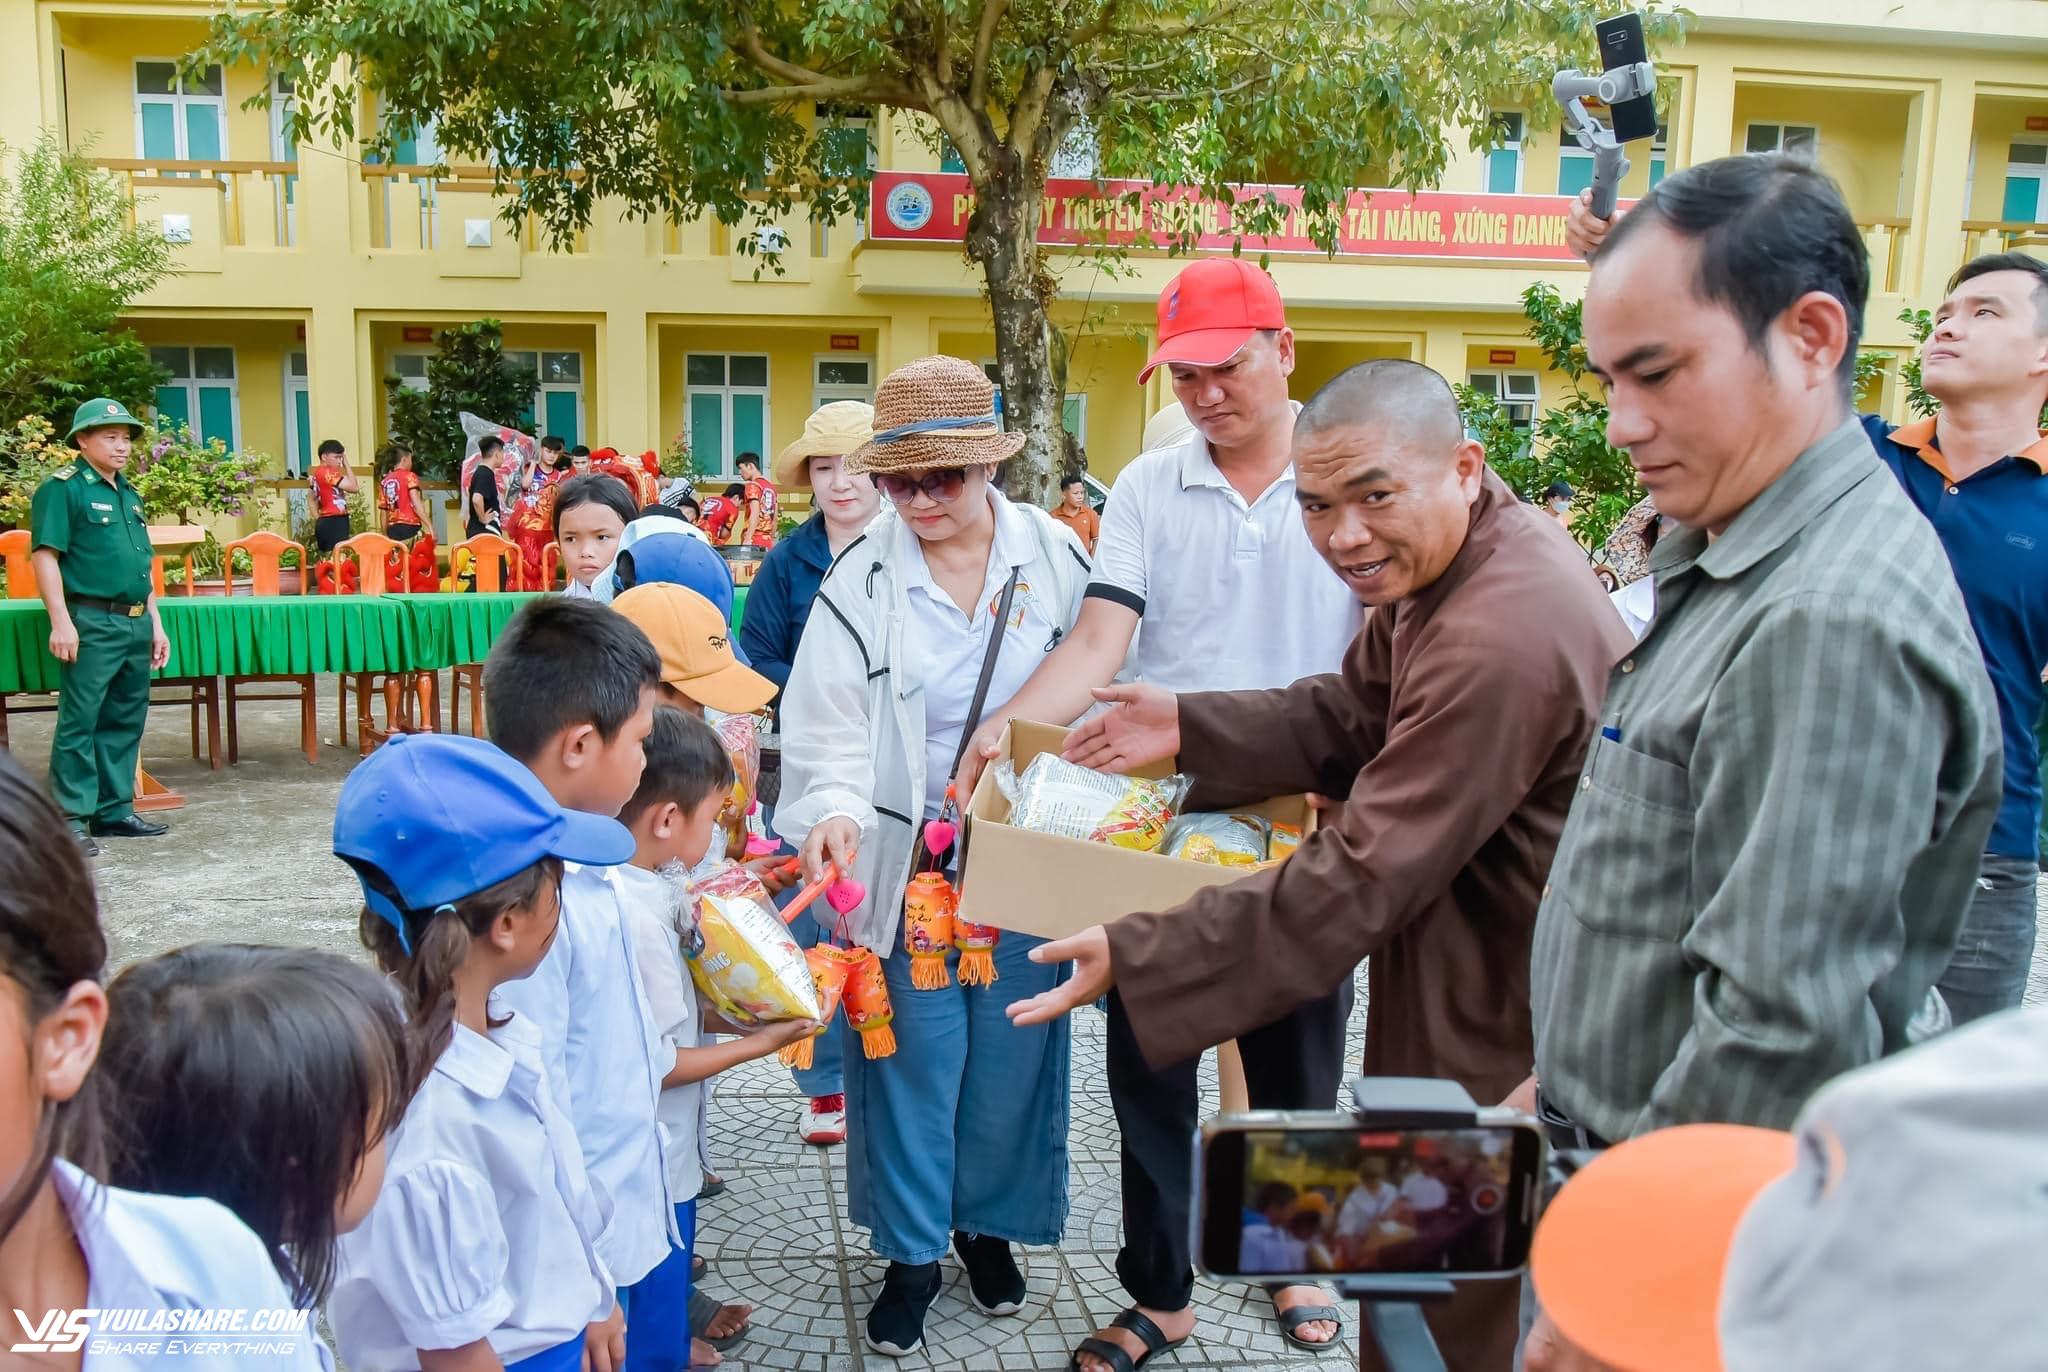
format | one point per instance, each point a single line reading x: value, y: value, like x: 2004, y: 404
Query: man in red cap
x: 1202, y: 543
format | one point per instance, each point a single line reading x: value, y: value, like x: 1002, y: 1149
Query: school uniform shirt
x: 484, y: 1228
x: 600, y: 1046
x: 1230, y: 594
x: 653, y: 903
x: 174, y: 1253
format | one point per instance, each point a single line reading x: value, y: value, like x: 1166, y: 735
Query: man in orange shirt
x: 1075, y: 512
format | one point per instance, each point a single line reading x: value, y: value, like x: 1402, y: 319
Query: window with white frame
x: 848, y: 133
x: 1574, y: 167
x: 201, y: 393
x: 298, y: 416
x: 1660, y: 153
x: 1073, y: 410
x: 725, y: 403
x: 1504, y: 154
x: 556, y: 406
x: 1794, y: 140
x: 2026, y: 182
x: 841, y: 376
x: 179, y: 118
x: 1518, y: 393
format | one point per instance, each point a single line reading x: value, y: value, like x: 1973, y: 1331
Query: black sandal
x: 1292, y: 1320
x: 1116, y: 1355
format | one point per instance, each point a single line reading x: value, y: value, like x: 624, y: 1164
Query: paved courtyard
x: 248, y: 861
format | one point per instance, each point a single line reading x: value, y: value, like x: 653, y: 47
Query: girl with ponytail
x: 479, y: 1249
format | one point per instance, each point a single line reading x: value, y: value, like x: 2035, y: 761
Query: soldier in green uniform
x: 93, y: 563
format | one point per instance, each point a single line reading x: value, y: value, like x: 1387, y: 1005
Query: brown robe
x: 1454, y: 737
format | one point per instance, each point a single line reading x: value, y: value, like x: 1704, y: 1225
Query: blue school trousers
x: 658, y: 1305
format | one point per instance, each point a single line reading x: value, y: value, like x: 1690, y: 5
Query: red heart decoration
x: 939, y: 835
x: 844, y: 894
x: 760, y: 847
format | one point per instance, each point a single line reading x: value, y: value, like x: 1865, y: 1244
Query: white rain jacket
x: 853, y: 714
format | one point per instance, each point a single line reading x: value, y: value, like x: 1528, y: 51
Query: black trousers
x: 1294, y: 1063
x: 330, y: 531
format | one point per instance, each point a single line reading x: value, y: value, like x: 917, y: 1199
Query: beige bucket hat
x: 833, y: 430
x: 935, y: 412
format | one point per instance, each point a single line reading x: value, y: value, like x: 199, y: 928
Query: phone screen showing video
x: 1383, y: 1201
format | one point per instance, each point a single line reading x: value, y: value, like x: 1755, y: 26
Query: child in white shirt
x: 481, y: 1248
x: 672, y: 815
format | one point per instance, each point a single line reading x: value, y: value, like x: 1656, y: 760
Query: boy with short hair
x: 762, y: 506
x: 673, y: 816
x: 570, y: 692
x: 398, y: 496
x: 480, y: 497
x: 333, y: 484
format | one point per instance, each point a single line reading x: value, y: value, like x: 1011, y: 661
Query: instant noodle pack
x: 1051, y: 848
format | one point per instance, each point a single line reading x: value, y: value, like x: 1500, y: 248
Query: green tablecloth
x: 290, y: 635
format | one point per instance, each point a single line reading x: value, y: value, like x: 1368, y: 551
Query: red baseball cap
x: 1211, y: 310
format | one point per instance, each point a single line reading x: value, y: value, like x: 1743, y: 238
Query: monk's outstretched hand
x: 1092, y: 977
x: 1142, y: 725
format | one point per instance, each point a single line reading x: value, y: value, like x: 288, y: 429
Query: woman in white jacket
x: 961, y: 1134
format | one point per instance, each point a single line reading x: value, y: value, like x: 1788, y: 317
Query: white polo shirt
x: 146, y: 1254
x: 1231, y: 596
x: 485, y: 1226
x: 598, y: 1041
x: 650, y: 901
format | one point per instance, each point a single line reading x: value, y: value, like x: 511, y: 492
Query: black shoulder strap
x: 988, y: 667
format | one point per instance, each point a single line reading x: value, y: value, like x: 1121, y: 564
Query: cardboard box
x: 1051, y: 886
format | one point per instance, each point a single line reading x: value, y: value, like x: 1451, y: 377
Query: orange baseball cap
x: 695, y: 645
x: 1211, y: 310
x: 1629, y: 1258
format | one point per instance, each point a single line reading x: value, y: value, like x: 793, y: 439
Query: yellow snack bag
x: 1054, y: 796
x: 744, y: 961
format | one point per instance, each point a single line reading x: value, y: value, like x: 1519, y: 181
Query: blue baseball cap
x: 442, y: 817
x: 659, y: 550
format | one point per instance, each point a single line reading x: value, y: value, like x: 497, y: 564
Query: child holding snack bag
x: 682, y: 789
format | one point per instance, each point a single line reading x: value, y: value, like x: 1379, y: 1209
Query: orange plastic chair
x: 407, y: 695
x: 21, y: 573
x: 490, y: 557
x: 550, y: 566
x: 266, y: 551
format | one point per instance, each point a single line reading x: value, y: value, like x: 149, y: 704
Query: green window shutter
x: 561, y: 416
x: 302, y: 408
x: 1656, y: 169
x: 749, y: 423
x: 216, y: 414
x: 1070, y: 415
x: 202, y: 132
x: 159, y: 130
x: 1574, y: 174
x: 2022, y: 200
x: 1501, y: 165
x: 172, y: 406
x: 707, y: 429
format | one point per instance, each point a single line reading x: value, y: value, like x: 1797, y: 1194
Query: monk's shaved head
x: 1387, y: 395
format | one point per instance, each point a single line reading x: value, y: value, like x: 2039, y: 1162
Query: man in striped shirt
x: 1777, y: 830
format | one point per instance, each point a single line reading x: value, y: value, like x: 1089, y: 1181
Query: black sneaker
x: 993, y: 1282
x: 896, y: 1323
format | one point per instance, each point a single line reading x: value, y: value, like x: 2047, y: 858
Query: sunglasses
x: 943, y: 486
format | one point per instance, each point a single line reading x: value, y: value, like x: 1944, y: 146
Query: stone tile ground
x: 248, y: 861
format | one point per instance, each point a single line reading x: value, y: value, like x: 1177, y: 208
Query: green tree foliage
x: 1568, y: 442
x: 468, y: 371
x: 72, y: 258
x: 679, y: 108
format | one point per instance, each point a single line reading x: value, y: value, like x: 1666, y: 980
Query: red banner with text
x: 933, y: 207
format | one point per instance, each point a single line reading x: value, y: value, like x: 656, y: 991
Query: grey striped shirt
x: 1778, y: 828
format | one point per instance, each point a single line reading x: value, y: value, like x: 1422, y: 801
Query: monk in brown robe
x: 1450, y: 745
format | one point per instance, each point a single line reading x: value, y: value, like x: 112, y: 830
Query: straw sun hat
x: 935, y: 412
x: 833, y: 430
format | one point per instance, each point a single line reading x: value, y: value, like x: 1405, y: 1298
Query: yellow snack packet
x: 745, y: 962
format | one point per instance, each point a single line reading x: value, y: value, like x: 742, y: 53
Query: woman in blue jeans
x: 778, y: 604
x: 958, y: 1139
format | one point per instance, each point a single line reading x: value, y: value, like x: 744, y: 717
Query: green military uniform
x: 96, y: 528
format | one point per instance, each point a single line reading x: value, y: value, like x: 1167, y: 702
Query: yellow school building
x: 306, y: 275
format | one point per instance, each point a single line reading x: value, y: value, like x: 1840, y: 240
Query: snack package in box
x: 1225, y: 840
x: 745, y: 962
x: 1054, y: 796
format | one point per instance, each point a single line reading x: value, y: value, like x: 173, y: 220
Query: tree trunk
x: 1002, y: 239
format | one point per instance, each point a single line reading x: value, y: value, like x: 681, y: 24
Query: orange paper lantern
x: 830, y: 967
x: 977, y: 945
x: 867, y: 1003
x: 928, y: 904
